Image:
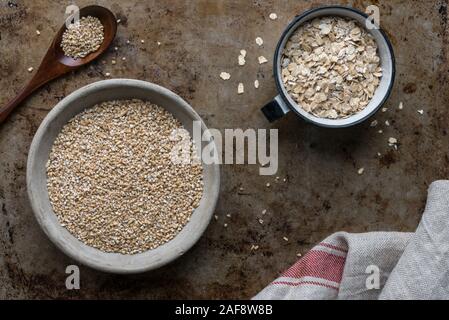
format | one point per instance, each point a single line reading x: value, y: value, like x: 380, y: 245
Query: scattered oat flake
x: 142, y: 41
x: 259, y: 41
x: 264, y: 212
x: 158, y: 43
x: 124, y: 58
x: 30, y: 69
x: 374, y: 123
x: 243, y: 52
x: 107, y: 74
x: 228, y: 215
x: 299, y: 255
x: 216, y: 217
x: 262, y: 60
x: 401, y: 106
x: 392, y: 141
x: 256, y: 84
x: 361, y: 171
x: 381, y: 131
x: 387, y: 123
x: 38, y: 32
x: 225, y: 76
x: 273, y: 16
x: 384, y: 109
x: 113, y: 62
x: 285, y: 239
x: 225, y: 225
x: 118, y: 20
x: 240, y: 88
x: 261, y: 221
x: 268, y: 185
x: 242, y: 60
x: 421, y: 112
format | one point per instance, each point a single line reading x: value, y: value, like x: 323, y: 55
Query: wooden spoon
x: 55, y: 63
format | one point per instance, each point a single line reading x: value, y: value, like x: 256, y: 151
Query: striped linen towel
x: 377, y: 265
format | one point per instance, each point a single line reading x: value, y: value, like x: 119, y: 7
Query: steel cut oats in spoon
x: 57, y: 63
x: 82, y: 37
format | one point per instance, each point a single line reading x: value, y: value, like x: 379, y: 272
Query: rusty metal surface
x: 324, y: 193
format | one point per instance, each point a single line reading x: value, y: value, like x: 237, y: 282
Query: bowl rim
x: 281, y: 89
x: 56, y: 237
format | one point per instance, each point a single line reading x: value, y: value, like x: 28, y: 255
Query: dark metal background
x: 323, y: 194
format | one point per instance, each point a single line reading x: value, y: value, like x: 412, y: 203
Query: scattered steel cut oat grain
x: 225, y: 76
x: 240, y: 88
x: 262, y: 60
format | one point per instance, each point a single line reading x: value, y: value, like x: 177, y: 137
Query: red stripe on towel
x: 318, y: 264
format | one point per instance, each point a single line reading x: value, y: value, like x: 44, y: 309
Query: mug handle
x: 275, y: 109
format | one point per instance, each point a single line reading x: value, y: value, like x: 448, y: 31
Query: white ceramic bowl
x: 283, y: 103
x: 37, y: 177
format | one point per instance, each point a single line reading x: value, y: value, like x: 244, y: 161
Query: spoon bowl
x: 56, y: 63
x: 109, y: 23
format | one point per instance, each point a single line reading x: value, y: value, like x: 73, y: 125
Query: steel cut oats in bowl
x: 331, y: 67
x: 106, y: 185
x: 112, y: 182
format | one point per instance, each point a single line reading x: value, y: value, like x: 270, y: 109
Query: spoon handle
x: 24, y: 93
x: 48, y: 71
